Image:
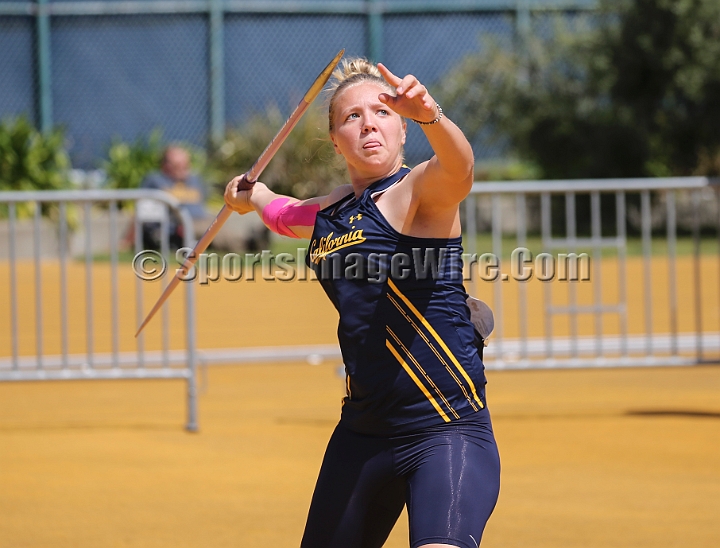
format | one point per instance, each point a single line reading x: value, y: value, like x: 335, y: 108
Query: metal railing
x: 163, y: 363
x: 536, y: 217
x: 619, y: 348
x: 679, y: 215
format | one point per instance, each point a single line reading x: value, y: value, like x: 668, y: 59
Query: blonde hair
x: 353, y: 71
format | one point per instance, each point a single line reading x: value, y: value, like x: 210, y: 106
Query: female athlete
x: 414, y: 428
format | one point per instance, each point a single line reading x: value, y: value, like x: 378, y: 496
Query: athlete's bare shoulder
x: 336, y: 194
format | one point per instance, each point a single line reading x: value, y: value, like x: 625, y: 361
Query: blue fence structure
x: 120, y: 68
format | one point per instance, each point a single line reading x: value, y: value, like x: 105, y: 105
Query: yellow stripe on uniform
x: 420, y: 368
x: 415, y: 378
x: 434, y: 350
x: 438, y: 339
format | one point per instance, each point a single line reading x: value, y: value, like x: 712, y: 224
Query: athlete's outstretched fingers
x: 414, y: 89
x: 411, y: 99
x: 389, y: 77
x: 420, y: 92
x: 408, y: 86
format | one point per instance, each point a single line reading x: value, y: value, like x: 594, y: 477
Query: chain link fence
x: 107, y: 69
x: 17, y: 65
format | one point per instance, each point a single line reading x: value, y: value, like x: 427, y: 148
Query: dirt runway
x: 624, y: 458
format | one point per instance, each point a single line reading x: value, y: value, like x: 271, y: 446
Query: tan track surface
x: 266, y: 313
x: 607, y: 458
x: 620, y: 458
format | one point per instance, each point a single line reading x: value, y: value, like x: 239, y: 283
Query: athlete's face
x: 367, y: 133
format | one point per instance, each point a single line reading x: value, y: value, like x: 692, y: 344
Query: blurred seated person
x: 176, y: 178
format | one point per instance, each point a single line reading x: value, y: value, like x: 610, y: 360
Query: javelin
x: 251, y: 177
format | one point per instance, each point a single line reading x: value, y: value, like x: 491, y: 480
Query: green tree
x: 633, y: 92
x: 666, y: 59
x: 31, y: 160
x: 306, y: 164
x: 127, y: 164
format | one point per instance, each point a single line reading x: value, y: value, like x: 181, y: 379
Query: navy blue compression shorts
x: 448, y: 475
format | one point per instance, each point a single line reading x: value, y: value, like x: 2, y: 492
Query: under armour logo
x: 357, y: 217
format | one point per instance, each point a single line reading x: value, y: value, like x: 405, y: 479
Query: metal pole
x: 647, y: 267
x: 38, y: 288
x: 546, y: 222
x: 597, y: 257
x: 672, y: 283
x: 217, y: 72
x: 521, y: 213
x: 63, y: 285
x: 523, y: 30
x: 165, y: 251
x: 523, y: 22
x: 114, y: 306
x: 44, y: 66
x: 622, y: 269
x: 13, y: 286
x: 375, y: 30
x: 571, y: 229
x: 191, y: 342
x: 497, y: 288
x: 140, y: 339
x: 192, y: 410
x: 88, y: 285
x: 697, y: 277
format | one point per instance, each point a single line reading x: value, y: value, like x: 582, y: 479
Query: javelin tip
x: 322, y: 78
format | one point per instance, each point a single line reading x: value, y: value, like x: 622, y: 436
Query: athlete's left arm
x: 283, y: 215
x: 446, y: 179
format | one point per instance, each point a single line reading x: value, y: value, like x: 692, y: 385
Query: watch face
x: 481, y: 317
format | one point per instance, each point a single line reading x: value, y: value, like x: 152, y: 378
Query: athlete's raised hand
x: 412, y: 99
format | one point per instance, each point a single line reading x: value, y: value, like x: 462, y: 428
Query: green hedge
x: 31, y: 160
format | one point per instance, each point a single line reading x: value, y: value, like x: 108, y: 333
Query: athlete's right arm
x: 281, y: 214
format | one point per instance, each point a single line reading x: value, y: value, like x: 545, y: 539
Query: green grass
x: 634, y: 247
x: 659, y: 247
x: 123, y: 257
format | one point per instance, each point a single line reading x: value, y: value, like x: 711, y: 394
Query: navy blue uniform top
x: 404, y: 330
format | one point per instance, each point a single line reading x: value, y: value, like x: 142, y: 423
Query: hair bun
x: 353, y: 67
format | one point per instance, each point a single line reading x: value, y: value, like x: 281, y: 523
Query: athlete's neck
x: 361, y: 181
